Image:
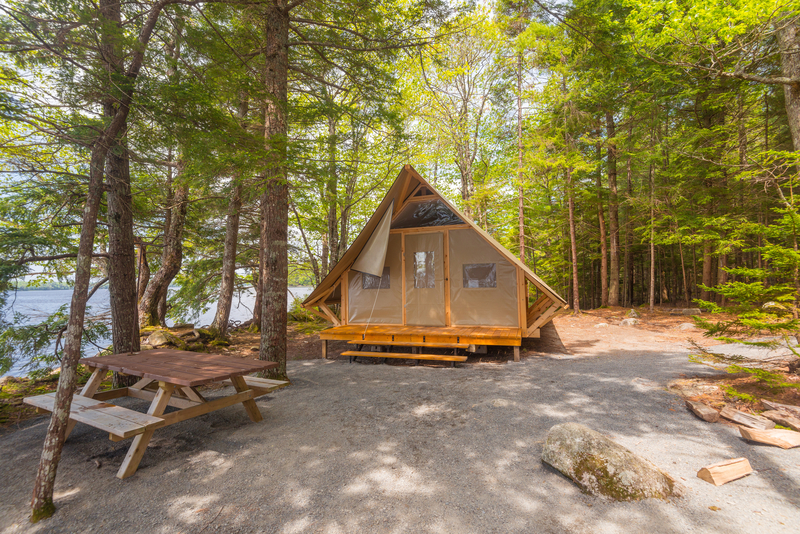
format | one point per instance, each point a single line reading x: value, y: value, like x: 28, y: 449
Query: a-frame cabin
x: 421, y: 274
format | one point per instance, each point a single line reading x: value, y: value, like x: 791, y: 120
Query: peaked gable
x: 410, y: 189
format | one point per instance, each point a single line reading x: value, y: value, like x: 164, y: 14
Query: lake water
x: 38, y: 304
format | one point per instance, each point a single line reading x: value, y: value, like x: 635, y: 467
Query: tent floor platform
x: 386, y: 334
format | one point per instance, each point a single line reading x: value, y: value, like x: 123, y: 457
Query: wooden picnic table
x: 175, y: 375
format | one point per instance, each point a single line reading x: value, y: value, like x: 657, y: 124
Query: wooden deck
x: 472, y: 335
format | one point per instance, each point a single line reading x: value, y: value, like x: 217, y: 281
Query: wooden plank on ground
x: 794, y: 410
x: 703, y: 411
x: 782, y: 418
x: 724, y: 472
x: 746, y: 419
x: 785, y: 439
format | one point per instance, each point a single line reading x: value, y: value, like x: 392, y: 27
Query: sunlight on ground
x: 390, y: 481
x: 57, y: 495
x: 190, y: 509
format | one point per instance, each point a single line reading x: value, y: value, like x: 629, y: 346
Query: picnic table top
x: 179, y: 367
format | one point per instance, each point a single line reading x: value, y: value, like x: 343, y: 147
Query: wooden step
x: 116, y: 420
x: 429, y: 344
x: 405, y: 356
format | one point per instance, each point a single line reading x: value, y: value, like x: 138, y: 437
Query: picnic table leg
x: 249, y: 405
x: 141, y: 384
x: 140, y: 442
x: 193, y: 394
x: 89, y: 389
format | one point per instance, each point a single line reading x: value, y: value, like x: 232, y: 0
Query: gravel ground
x: 386, y: 448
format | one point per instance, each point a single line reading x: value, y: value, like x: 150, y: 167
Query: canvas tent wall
x: 420, y: 262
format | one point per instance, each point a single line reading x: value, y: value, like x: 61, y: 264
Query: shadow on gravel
x: 377, y: 448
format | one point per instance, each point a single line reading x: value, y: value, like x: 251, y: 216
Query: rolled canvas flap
x: 373, y: 255
x: 383, y: 305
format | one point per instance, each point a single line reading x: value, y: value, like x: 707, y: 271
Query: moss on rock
x: 601, y: 467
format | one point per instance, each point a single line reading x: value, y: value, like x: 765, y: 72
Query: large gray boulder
x: 602, y: 467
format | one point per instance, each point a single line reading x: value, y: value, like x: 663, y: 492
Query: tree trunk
x: 122, y: 259
x: 171, y: 259
x: 275, y: 199
x: 228, y: 283
x: 259, y: 285
x: 707, y: 273
x: 613, y: 213
x: 332, y: 195
x: 789, y: 41
x: 121, y: 249
x: 519, y: 161
x: 683, y: 272
x: 652, y: 242
x: 573, y: 243
x: 629, y: 230
x: 144, y: 273
x: 601, y: 221
x: 42, y: 500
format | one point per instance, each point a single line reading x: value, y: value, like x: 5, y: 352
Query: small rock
x: 686, y: 326
x: 633, y: 313
x: 601, y: 467
x: 691, y: 311
x: 601, y: 325
x: 629, y: 322
x: 254, y: 349
x: 157, y: 339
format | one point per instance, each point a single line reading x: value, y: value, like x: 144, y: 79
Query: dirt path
x: 386, y: 448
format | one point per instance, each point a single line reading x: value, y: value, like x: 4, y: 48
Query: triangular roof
x: 406, y: 183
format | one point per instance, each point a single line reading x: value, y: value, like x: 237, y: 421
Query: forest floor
x: 368, y: 447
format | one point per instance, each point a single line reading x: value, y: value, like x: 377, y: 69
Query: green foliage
x: 299, y: 314
x: 731, y: 392
x: 772, y: 381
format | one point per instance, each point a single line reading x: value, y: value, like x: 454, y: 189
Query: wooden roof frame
x: 401, y: 191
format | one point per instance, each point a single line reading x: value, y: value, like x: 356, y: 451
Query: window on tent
x: 424, y: 273
x: 479, y: 275
x: 370, y: 281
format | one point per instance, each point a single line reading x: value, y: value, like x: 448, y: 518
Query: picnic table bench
x: 168, y: 378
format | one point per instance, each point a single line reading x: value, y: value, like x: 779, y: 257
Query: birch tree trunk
x: 42, y: 500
